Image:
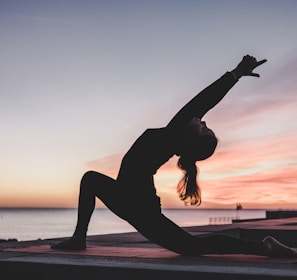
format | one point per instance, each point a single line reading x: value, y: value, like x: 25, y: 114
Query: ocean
x: 32, y: 224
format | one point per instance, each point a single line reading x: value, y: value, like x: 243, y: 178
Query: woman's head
x: 199, y: 142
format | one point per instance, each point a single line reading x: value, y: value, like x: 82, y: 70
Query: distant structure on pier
x: 239, y: 206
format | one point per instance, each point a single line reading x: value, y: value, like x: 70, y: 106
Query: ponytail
x: 187, y: 188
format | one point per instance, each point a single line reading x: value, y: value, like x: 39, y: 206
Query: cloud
x: 273, y: 186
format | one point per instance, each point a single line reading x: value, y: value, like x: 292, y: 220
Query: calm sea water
x: 32, y: 224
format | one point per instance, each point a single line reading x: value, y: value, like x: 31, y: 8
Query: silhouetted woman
x: 132, y: 196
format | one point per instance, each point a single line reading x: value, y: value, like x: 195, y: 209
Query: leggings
x: 152, y: 225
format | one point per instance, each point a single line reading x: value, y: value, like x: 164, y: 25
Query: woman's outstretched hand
x: 247, y: 66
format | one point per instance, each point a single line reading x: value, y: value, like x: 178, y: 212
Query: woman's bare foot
x: 75, y: 243
x: 274, y: 248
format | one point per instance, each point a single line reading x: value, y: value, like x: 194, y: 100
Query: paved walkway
x: 131, y: 256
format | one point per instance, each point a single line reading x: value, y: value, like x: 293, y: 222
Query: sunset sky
x: 81, y: 80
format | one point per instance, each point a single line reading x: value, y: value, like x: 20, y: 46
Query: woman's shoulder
x: 160, y: 132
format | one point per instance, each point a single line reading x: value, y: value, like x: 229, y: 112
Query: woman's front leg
x: 93, y: 184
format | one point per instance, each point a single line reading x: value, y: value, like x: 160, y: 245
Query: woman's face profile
x: 199, y: 128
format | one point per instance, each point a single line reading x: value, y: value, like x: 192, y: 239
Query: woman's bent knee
x: 88, y: 177
x: 96, y: 180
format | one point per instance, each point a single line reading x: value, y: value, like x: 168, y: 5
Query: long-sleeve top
x: 156, y: 146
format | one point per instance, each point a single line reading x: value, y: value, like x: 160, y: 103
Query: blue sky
x: 80, y: 80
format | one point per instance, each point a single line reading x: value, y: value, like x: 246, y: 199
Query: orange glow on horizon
x: 249, y: 174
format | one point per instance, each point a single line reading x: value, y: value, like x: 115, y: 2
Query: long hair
x: 188, y: 188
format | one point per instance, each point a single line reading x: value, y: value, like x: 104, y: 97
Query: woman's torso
x: 148, y: 153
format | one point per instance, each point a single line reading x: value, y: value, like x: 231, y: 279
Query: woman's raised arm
x: 214, y: 93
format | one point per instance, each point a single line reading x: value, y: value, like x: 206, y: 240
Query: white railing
x: 222, y: 220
